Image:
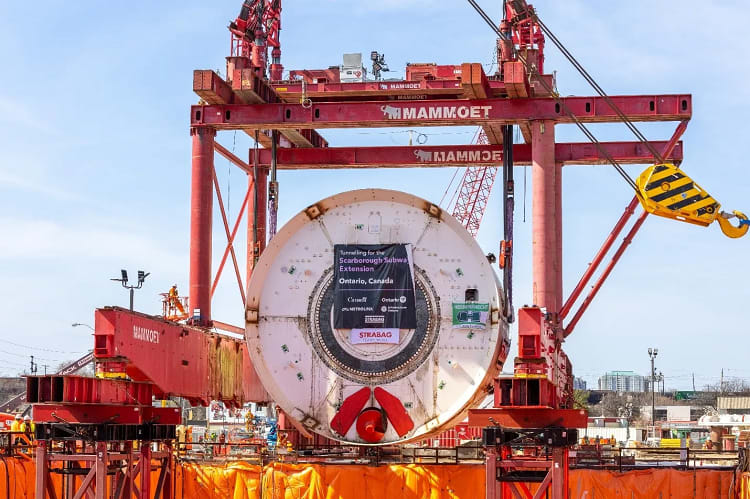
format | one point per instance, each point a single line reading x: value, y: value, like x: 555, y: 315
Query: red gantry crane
x: 140, y: 358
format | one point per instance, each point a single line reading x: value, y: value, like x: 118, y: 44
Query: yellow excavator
x: 665, y: 190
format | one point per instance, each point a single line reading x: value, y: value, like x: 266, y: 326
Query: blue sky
x: 94, y: 174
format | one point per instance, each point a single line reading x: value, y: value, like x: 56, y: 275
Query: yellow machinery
x: 666, y: 191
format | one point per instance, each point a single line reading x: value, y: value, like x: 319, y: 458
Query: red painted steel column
x: 546, y: 217
x: 492, y: 486
x: 41, y: 467
x: 256, y: 212
x: 558, y: 236
x: 101, y: 463
x: 145, y: 463
x: 262, y: 187
x: 201, y: 217
x: 250, y: 226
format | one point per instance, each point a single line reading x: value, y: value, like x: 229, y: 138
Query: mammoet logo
x: 459, y: 156
x: 435, y: 112
x: 423, y: 155
x: 145, y: 334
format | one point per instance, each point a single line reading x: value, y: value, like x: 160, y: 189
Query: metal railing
x: 624, y: 459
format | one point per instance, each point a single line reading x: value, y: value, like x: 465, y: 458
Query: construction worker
x: 28, y: 427
x: 15, y: 426
x: 181, y: 432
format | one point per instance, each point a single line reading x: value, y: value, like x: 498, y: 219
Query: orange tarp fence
x: 652, y: 484
x: 312, y: 481
x: 18, y: 482
x: 744, y: 486
x: 240, y: 480
x: 286, y: 481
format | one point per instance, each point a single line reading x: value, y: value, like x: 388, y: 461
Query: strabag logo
x: 458, y: 156
x: 145, y: 334
x: 363, y: 336
x: 435, y: 112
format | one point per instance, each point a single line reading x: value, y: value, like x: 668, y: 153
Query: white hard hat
x: 18, y: 416
x: 27, y: 418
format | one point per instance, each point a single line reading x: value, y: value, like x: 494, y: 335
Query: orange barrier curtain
x: 241, y: 480
x: 743, y: 485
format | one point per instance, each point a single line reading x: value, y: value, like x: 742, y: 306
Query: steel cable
x: 596, y: 87
x: 532, y: 70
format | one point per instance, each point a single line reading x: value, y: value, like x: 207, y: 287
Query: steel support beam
x: 42, y: 475
x: 145, y: 463
x: 101, y: 480
x: 438, y: 112
x: 528, y: 417
x: 201, y: 218
x: 230, y: 246
x: 667, y: 151
x: 256, y: 210
x: 323, y: 158
x: 545, y: 178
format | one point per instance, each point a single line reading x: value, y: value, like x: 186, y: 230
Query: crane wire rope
x: 532, y: 70
x: 590, y: 80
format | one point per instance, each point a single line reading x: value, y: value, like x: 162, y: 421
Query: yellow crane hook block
x: 666, y: 191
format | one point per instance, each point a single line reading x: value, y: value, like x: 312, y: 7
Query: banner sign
x: 360, y: 336
x: 470, y: 315
x: 374, y: 287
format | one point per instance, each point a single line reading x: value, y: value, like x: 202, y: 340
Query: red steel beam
x: 594, y: 265
x: 439, y: 112
x: 377, y: 90
x: 667, y: 151
x: 230, y: 241
x: 230, y: 237
x: 201, y: 218
x: 459, y: 155
x: 528, y: 417
x: 179, y: 360
x: 590, y: 297
x: 97, y: 413
x: 248, y: 89
x: 545, y: 179
x: 232, y: 158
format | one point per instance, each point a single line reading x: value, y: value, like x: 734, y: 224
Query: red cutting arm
x: 395, y: 411
x: 350, y: 409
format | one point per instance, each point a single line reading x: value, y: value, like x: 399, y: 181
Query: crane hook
x: 667, y: 191
x: 730, y: 230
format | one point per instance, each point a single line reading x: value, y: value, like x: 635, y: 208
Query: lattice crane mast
x: 474, y: 192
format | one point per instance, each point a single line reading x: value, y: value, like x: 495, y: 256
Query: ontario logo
x: 459, y: 156
x: 435, y: 112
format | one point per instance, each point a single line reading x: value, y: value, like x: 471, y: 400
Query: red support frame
x: 667, y: 151
x: 112, y: 472
x: 316, y: 158
x: 439, y: 112
x: 541, y: 389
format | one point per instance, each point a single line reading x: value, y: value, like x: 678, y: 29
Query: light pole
x: 124, y: 281
x: 78, y: 324
x: 652, y: 353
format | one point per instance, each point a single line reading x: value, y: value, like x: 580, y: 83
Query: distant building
x: 579, y: 384
x: 733, y: 404
x: 622, y: 381
x: 673, y: 413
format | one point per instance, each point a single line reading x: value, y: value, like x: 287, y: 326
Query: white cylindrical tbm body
x: 373, y: 317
